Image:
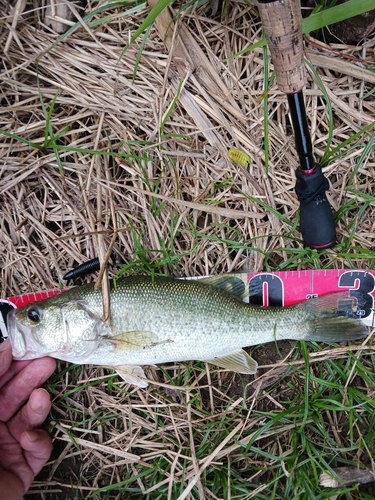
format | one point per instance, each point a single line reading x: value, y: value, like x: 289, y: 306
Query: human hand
x: 23, y: 450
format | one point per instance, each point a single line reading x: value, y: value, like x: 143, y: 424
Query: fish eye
x: 34, y: 315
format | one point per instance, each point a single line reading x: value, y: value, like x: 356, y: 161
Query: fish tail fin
x: 333, y: 317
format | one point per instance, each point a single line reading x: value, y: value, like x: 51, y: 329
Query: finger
x: 17, y: 390
x: 5, y: 357
x: 14, y: 368
x: 37, y: 447
x: 8, y: 369
x: 32, y: 415
x: 12, y: 460
x: 11, y: 486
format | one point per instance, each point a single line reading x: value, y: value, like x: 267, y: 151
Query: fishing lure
x: 239, y: 156
x: 83, y: 269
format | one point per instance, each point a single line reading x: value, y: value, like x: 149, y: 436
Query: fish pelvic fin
x: 132, y: 374
x: 333, y: 317
x: 135, y: 341
x: 238, y: 361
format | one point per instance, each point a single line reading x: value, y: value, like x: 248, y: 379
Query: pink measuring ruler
x: 285, y: 288
x: 282, y: 288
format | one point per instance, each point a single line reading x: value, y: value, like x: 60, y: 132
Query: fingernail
x: 31, y: 436
x: 4, y: 345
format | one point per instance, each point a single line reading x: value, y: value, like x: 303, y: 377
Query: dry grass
x: 137, y: 160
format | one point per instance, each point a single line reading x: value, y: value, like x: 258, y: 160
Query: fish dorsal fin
x: 133, y: 341
x: 238, y: 361
x: 132, y: 374
x: 230, y: 283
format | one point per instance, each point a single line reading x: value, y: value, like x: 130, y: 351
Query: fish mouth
x: 21, y: 339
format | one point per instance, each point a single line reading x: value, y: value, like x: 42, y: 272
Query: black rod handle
x: 317, y: 224
x: 301, y: 131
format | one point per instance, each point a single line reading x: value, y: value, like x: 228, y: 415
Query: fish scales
x: 194, y: 321
x: 157, y: 320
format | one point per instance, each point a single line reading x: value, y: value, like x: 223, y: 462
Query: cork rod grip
x: 282, y: 23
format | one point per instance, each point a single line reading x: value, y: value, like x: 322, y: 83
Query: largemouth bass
x: 158, y: 320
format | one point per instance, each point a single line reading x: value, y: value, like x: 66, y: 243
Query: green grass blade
x: 306, y: 386
x: 171, y: 107
x: 331, y: 124
x: 152, y: 15
x: 140, y: 50
x: 336, y: 14
x: 332, y: 155
x: 323, y: 18
x: 49, y: 138
x: 366, y: 151
x: 22, y: 140
x: 93, y: 13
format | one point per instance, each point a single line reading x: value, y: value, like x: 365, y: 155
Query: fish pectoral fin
x: 132, y: 374
x: 133, y: 341
x: 229, y: 283
x: 238, y: 361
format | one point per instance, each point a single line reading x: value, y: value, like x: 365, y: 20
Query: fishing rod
x: 282, y: 23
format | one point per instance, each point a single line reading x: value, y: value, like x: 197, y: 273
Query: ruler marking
x: 3, y: 328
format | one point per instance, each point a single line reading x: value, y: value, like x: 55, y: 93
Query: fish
x: 155, y: 320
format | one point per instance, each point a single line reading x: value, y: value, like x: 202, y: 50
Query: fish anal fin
x: 132, y: 374
x: 238, y: 361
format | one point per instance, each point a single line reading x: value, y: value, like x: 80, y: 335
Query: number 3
x: 366, y: 287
